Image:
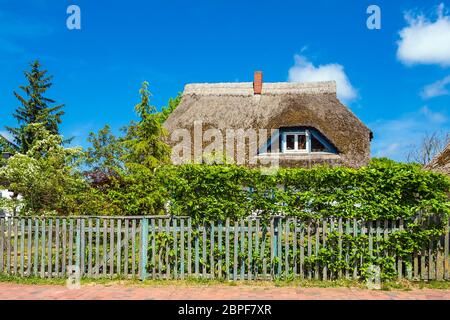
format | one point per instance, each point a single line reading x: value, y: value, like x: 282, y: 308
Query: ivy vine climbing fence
x: 167, y: 247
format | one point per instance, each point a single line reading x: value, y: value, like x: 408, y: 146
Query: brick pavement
x: 121, y: 292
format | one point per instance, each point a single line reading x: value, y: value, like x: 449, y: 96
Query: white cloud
x: 434, y: 117
x: 436, y: 89
x: 304, y: 71
x: 394, y: 138
x: 424, y: 41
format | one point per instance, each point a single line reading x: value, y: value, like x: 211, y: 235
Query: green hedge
x: 382, y: 190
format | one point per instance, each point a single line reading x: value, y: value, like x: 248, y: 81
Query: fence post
x: 2, y: 237
x: 446, y: 245
x: 276, y: 229
x: 77, y: 244
x: 144, y: 244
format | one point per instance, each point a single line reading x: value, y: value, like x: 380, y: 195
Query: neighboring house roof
x: 236, y: 106
x: 441, y: 162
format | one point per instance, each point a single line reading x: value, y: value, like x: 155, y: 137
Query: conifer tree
x: 35, y: 108
x: 144, y: 142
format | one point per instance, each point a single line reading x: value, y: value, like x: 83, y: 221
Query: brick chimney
x: 257, y: 82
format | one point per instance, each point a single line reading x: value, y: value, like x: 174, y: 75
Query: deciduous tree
x: 428, y: 147
x: 45, y: 175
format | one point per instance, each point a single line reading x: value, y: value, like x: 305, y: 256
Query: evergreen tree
x: 146, y: 148
x: 171, y: 106
x: 34, y: 108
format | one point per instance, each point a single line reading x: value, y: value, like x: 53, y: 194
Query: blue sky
x: 394, y: 79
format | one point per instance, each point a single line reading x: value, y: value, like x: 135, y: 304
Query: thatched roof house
x: 298, y: 124
x: 441, y: 163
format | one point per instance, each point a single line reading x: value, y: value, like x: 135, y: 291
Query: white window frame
x: 296, y: 149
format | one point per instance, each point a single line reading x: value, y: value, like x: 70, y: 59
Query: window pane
x: 301, y: 142
x: 290, y: 142
x: 316, y: 145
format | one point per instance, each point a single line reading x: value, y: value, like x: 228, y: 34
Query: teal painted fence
x: 163, y: 247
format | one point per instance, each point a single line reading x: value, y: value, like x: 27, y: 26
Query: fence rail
x: 163, y: 247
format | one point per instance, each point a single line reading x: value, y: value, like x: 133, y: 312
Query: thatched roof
x: 234, y: 105
x: 441, y: 163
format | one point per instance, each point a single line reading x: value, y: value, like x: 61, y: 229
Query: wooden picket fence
x: 164, y: 247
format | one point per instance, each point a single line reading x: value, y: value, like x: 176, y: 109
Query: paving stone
x: 11, y: 291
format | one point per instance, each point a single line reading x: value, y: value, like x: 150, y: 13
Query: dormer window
x: 304, y: 140
x: 295, y: 141
x: 300, y: 140
x: 316, y: 145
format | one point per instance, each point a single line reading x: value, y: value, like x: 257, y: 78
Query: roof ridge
x: 246, y: 88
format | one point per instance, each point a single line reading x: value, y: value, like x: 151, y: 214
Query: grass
x: 31, y: 280
x: 342, y: 283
